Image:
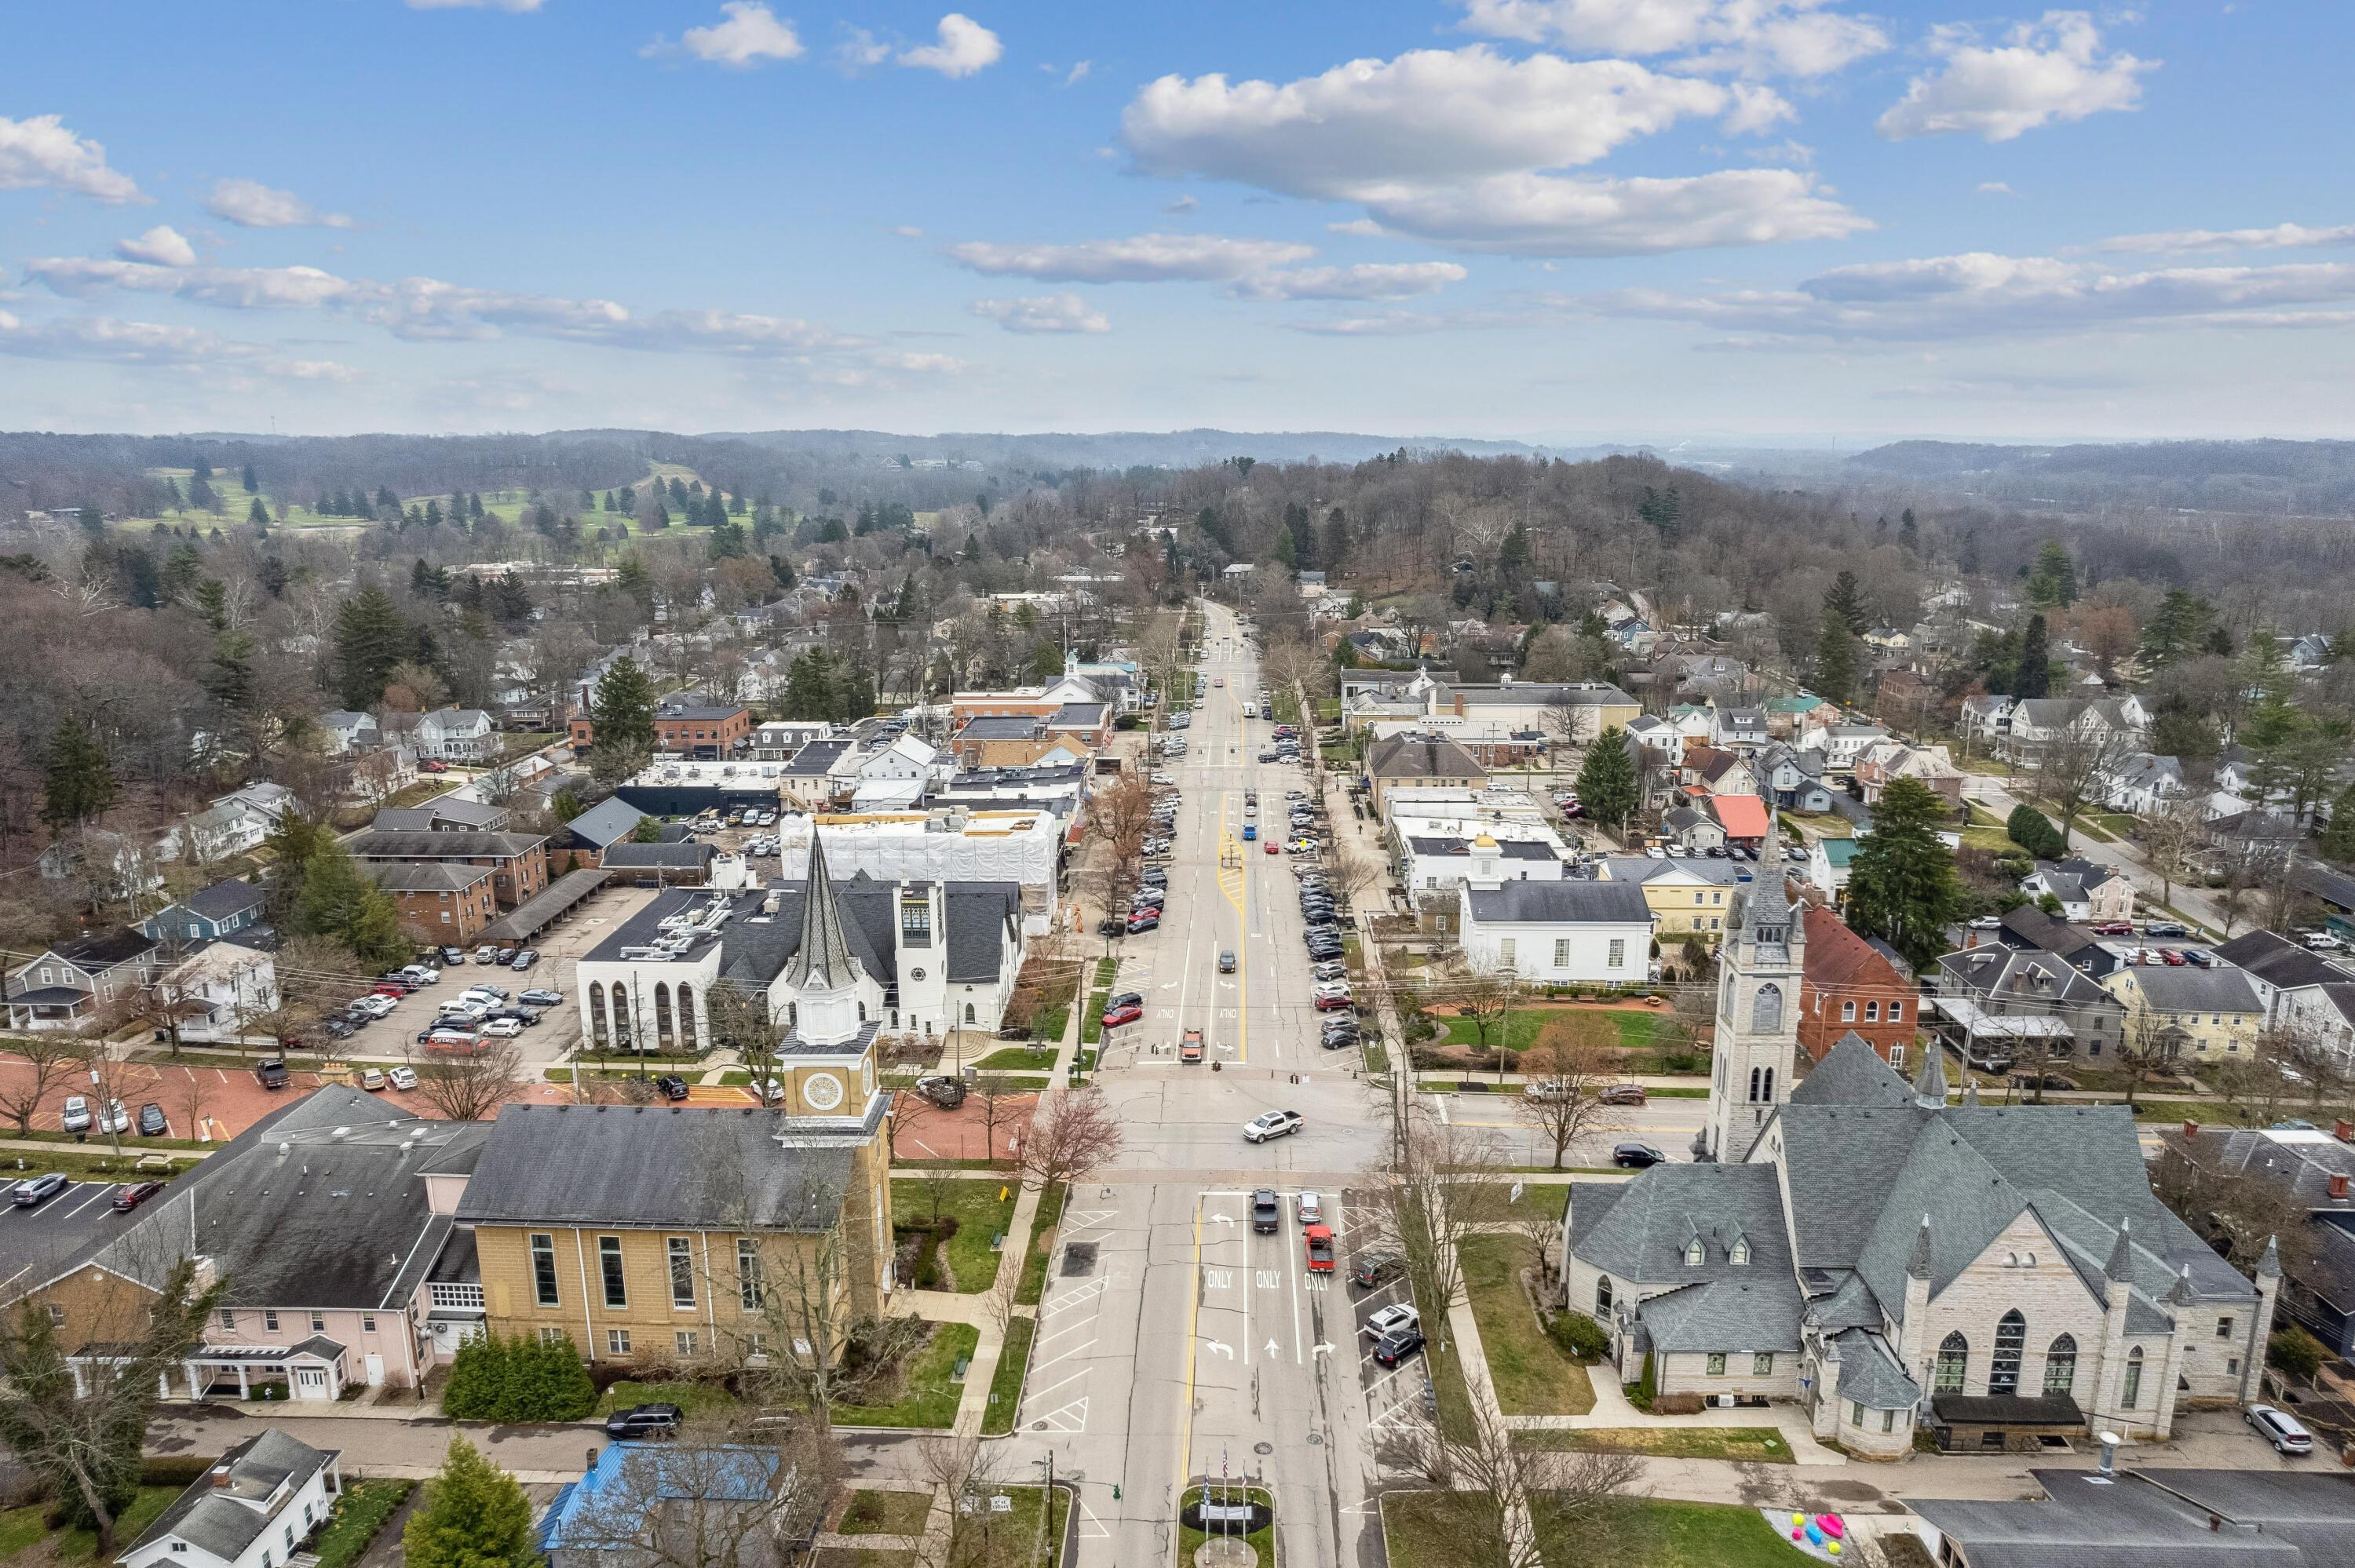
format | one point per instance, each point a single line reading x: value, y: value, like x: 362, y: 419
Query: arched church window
x: 1767, y: 1009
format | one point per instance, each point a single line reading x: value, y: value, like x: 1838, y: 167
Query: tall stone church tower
x: 1757, y: 1012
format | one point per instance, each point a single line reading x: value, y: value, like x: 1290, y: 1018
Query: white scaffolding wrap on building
x: 952, y: 845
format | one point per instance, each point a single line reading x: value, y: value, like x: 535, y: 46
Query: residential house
x: 1742, y: 818
x: 2144, y: 782
x: 639, y: 1504
x: 779, y: 739
x: 1312, y: 584
x: 2100, y: 895
x: 231, y: 825
x: 1692, y: 830
x: 1841, y: 743
x: 1828, y: 860
x: 906, y: 757
x: 1995, y: 1004
x: 1854, y: 987
x: 2027, y: 926
x: 1833, y: 1267
x: 2183, y: 1010
x: 218, y: 990
x: 1791, y: 716
x: 260, y: 1505
x: 1417, y: 761
x: 2314, y: 1169
x: 2304, y: 655
x: 2037, y: 722
x: 1716, y: 771
x: 221, y: 910
x: 441, y: 902
x: 608, y: 822
x: 447, y: 813
x: 1736, y: 726
x: 809, y: 781
x: 71, y: 985
x: 324, y: 1219
x: 2306, y: 997
x: 1687, y: 894
x: 1986, y: 717
x: 1793, y: 779
x: 447, y: 735
x: 1566, y: 933
x: 347, y: 732
x: 518, y: 861
x: 1883, y: 762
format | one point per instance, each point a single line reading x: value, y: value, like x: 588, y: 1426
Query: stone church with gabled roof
x: 1991, y: 1275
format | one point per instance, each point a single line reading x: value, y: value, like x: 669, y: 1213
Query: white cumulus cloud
x: 161, y: 246
x: 964, y: 47
x: 41, y: 154
x: 749, y: 33
x: 1787, y: 38
x: 249, y: 203
x: 112, y: 340
x: 2046, y: 71
x: 1463, y: 147
x: 1373, y: 280
x: 2280, y: 236
x: 1043, y: 313
x: 1141, y: 258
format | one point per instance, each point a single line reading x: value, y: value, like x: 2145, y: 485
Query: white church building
x: 1987, y: 1275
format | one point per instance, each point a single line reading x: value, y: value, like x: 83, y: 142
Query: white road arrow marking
x: 1272, y: 1346
x: 1220, y: 1349
x: 1223, y: 1219
x: 1323, y: 1350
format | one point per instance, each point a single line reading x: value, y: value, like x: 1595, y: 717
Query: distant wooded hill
x: 2302, y: 478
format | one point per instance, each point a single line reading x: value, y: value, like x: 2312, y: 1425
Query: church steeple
x: 823, y: 976
x: 1757, y: 1034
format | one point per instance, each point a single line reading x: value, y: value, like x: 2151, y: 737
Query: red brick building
x: 1849, y: 985
x: 441, y: 903
x: 710, y: 734
x: 518, y: 862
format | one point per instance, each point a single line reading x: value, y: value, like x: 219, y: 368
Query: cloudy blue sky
x: 1570, y: 219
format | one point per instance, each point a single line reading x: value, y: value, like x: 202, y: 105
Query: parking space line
x: 1067, y: 1355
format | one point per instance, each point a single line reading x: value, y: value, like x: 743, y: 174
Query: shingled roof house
x: 1990, y: 1273
x: 257, y: 1506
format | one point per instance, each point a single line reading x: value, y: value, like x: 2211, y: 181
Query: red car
x: 431, y: 766
x: 1120, y: 1015
x: 1320, y: 1248
x: 131, y: 1195
x: 2115, y: 929
x: 1332, y: 1003
x: 2174, y: 956
x: 1273, y: 847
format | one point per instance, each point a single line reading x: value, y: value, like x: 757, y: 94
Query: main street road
x: 1173, y: 1339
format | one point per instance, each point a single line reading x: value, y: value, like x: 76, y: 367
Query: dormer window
x: 1693, y: 1254
x: 1740, y: 1254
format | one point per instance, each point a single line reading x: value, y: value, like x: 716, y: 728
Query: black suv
x: 1267, y: 1213
x: 644, y: 1421
x: 672, y: 1087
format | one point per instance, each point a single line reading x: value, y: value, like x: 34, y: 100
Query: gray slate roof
x: 455, y: 844
x: 224, y: 1521
x: 1413, y: 755
x: 2278, y: 962
x: 223, y: 899
x: 430, y: 876
x: 1870, y: 1376
x: 680, y: 856
x: 1851, y: 1074
x: 1742, y: 1316
x: 652, y: 1166
x: 608, y: 821
x: 1640, y: 1232
x: 1557, y: 902
x: 2189, y: 988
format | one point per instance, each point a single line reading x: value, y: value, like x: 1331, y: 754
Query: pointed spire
x: 2121, y: 1265
x: 2269, y: 1265
x: 1971, y: 1093
x: 2182, y: 1295
x: 1917, y: 1265
x: 1929, y: 1083
x: 824, y: 961
x: 1766, y: 906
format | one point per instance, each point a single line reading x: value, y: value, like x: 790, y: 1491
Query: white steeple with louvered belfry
x: 1757, y: 1037
x: 823, y: 976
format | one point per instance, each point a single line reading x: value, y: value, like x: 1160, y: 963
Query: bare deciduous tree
x: 1564, y: 1073
x: 1072, y: 1135
x: 48, y: 1064
x: 2074, y: 768
x: 1496, y: 1487
x: 1442, y: 1184
x: 469, y: 1085
x: 748, y: 1495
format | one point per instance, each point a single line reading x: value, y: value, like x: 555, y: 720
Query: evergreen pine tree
x: 624, y: 710
x: 1836, y: 657
x: 474, y: 1516
x: 370, y: 638
x: 80, y: 782
x: 338, y: 901
x: 2336, y: 840
x: 1902, y: 884
x: 1909, y: 532
x: 1846, y: 597
x: 252, y: 484
x: 2033, y: 678
x: 1606, y: 780
x: 2052, y: 581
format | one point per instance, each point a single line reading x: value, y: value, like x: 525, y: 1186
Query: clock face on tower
x: 821, y: 1091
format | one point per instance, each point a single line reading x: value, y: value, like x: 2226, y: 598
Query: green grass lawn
x: 1537, y: 1198
x: 1018, y: 1058
x: 929, y: 1390
x: 25, y: 1531
x: 1638, y: 1031
x: 1759, y: 1444
x: 358, y: 1514
x: 1422, y: 1531
x: 1445, y: 1366
x: 1043, y: 1244
x: 1533, y: 1376
x: 1006, y: 1385
x: 981, y: 1216
x: 695, y: 1398
x: 885, y: 1513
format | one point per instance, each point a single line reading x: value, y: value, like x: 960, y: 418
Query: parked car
x: 671, y: 1086
x: 941, y: 1089
x: 1272, y: 1124
x: 502, y: 1029
x: 451, y: 958
x: 1148, y: 923
x: 1397, y: 1345
x: 1267, y: 1215
x: 1115, y: 1016
x: 486, y: 954
x: 1189, y: 1046
x: 75, y: 1117
x: 1318, y: 1240
x: 1388, y: 1320
x: 271, y: 1073
x: 1309, y: 1209
x: 424, y: 974
x: 1376, y: 1266
x: 372, y: 1078
x: 1637, y: 1156
x: 2166, y: 928
x: 2114, y: 928
x: 644, y: 1421
x: 524, y: 960
x: 540, y: 996
x: 153, y: 1122
x: 33, y: 1189
x: 1622, y: 1095
x: 2279, y: 1427
x: 131, y: 1195
x: 403, y: 1077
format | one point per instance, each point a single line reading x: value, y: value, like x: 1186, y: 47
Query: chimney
x: 2190, y: 1129
x: 2338, y: 1187
x: 220, y: 1475
x: 2343, y: 1131
x: 2109, y: 1452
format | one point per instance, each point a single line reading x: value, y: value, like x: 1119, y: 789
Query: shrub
x: 1676, y: 1404
x: 2032, y: 830
x: 2296, y: 1351
x: 503, y: 1380
x: 1578, y: 1334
